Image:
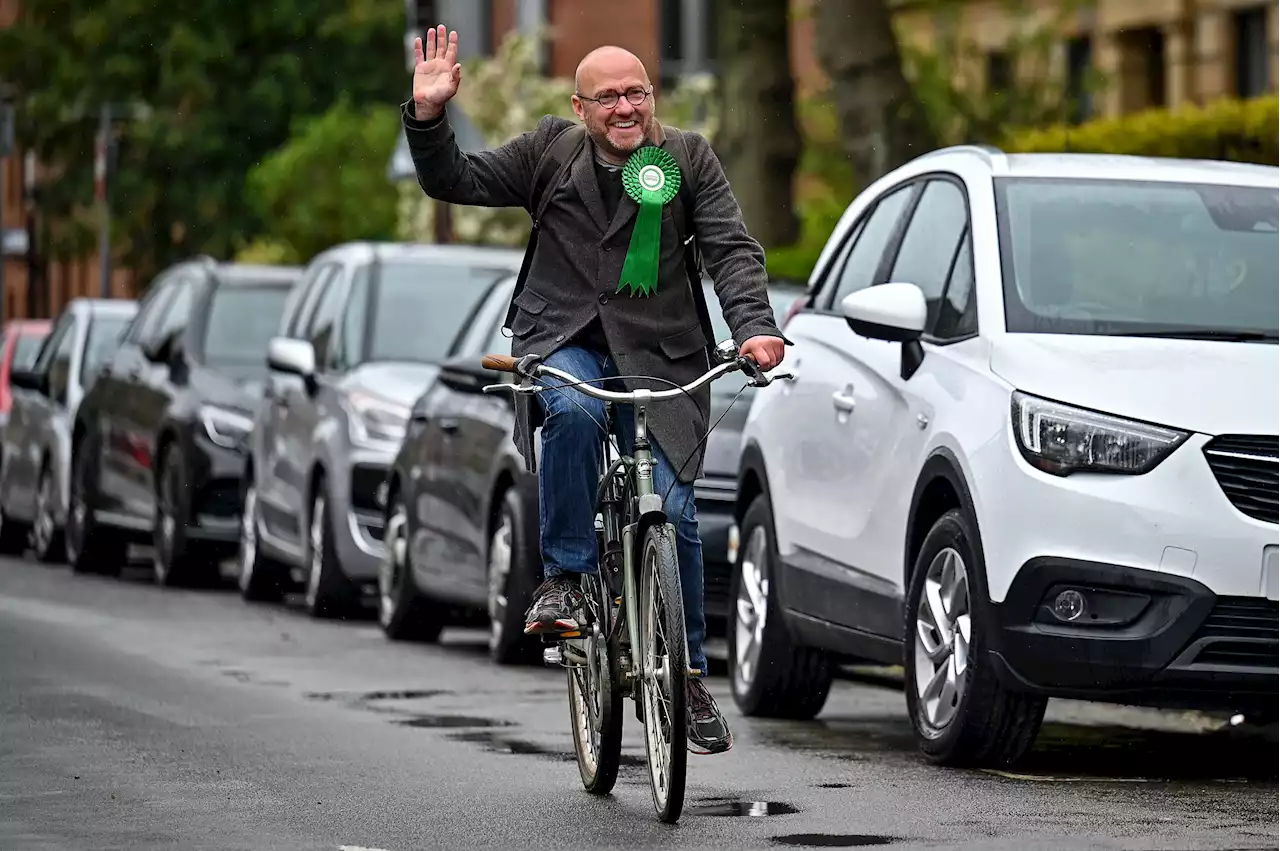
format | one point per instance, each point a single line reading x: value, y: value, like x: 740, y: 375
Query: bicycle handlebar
x: 531, y: 367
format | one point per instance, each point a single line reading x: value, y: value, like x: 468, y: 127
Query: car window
x: 420, y: 306
x: 26, y: 347
x: 929, y: 245
x: 300, y: 329
x: 863, y: 259
x: 242, y: 319
x: 50, y: 343
x: 60, y: 367
x: 103, y: 340
x: 178, y: 314
x: 1089, y: 256
x: 325, y: 318
x: 479, y: 333
x: 958, y: 309
x: 354, y: 316
x: 153, y: 311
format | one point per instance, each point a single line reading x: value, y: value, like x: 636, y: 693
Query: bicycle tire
x: 663, y: 607
x: 598, y: 756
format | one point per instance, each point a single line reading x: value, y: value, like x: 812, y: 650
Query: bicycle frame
x: 624, y: 515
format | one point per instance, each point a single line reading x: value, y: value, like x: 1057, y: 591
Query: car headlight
x: 227, y: 429
x: 374, y: 419
x: 1062, y: 439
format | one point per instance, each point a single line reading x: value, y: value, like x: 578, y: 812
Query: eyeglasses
x: 635, y: 96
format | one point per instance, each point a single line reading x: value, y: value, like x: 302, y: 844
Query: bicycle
x: 633, y: 533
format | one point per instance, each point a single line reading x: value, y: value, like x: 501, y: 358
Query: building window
x: 999, y: 71
x: 1251, y: 51
x: 687, y: 38
x: 1079, y: 57
x: 1141, y: 76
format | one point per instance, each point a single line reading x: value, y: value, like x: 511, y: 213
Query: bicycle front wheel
x: 664, y: 666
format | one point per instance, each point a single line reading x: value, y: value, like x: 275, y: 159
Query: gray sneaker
x: 708, y: 731
x: 554, y: 607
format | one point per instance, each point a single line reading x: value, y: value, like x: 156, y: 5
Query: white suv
x: 1030, y: 449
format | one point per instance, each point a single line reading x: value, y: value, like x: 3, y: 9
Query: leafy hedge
x: 1237, y: 130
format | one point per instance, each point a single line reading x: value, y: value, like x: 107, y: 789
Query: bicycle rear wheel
x: 664, y: 666
x: 595, y: 702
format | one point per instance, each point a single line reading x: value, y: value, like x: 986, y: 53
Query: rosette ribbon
x: 652, y: 178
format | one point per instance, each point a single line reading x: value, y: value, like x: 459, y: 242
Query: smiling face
x: 620, y: 130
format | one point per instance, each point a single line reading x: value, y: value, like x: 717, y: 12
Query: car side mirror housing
x: 294, y: 357
x: 894, y: 312
x: 25, y: 379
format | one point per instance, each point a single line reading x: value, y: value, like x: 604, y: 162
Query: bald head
x: 608, y: 63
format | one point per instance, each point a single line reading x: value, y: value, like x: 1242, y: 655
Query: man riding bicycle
x: 605, y: 300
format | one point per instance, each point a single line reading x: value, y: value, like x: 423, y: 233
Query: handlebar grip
x: 501, y: 363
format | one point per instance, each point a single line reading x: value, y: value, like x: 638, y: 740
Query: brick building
x: 33, y: 287
x: 1158, y: 52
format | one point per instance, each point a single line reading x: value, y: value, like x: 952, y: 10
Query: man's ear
x: 577, y: 108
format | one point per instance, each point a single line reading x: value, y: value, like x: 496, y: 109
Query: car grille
x: 1242, y: 631
x: 1246, y: 467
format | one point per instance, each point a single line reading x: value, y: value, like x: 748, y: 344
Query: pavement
x: 135, y: 717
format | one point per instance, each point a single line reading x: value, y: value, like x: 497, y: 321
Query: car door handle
x: 844, y: 401
x: 449, y: 426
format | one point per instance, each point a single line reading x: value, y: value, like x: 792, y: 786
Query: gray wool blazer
x: 573, y: 276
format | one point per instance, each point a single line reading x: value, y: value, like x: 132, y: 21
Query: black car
x: 462, y: 517
x: 158, y: 443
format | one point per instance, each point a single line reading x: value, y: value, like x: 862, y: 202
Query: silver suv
x: 359, y: 341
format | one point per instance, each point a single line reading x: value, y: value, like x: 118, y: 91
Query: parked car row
x: 1030, y: 449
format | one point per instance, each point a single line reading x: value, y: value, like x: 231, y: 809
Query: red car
x: 19, y: 344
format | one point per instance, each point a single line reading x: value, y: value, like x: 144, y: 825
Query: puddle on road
x: 441, y: 721
x: 833, y: 785
x: 741, y: 809
x: 832, y: 840
x: 370, y: 696
x: 505, y: 744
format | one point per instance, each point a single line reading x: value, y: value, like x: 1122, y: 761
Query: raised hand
x: 436, y: 72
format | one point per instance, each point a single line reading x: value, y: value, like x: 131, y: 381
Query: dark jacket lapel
x: 583, y: 174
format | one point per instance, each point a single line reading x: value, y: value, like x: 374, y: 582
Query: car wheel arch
x: 940, y: 487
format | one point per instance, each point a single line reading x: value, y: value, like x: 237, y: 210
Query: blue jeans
x: 568, y: 475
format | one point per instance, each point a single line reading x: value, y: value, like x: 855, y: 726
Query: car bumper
x: 358, y: 497
x: 1175, y: 520
x: 1143, y: 638
x: 217, y: 474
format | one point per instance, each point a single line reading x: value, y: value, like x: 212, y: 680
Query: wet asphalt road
x: 133, y: 717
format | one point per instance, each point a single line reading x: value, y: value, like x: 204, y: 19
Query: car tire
x: 403, y: 613
x: 176, y: 562
x: 968, y: 718
x: 260, y: 578
x: 513, y: 562
x: 91, y: 546
x: 328, y: 593
x: 770, y: 674
x: 46, y: 538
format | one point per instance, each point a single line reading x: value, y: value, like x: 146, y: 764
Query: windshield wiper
x: 1222, y: 334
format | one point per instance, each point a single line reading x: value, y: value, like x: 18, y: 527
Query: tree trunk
x: 758, y: 141
x: 881, y: 120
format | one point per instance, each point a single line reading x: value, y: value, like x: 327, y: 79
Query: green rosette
x: 652, y: 178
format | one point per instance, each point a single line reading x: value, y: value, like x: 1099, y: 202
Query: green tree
x: 328, y: 184
x: 759, y: 141
x: 221, y: 82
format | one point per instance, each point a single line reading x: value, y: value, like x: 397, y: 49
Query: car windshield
x: 242, y: 320
x: 419, y: 307
x: 781, y: 297
x: 1139, y: 258
x: 26, y: 347
x: 104, y: 336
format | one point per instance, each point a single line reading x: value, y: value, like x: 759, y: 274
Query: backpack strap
x: 555, y: 160
x: 687, y: 230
